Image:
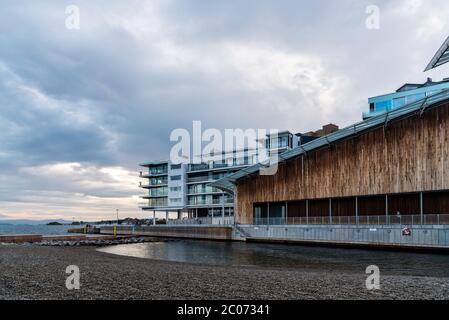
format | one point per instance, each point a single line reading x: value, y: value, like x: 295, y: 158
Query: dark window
x: 175, y: 178
x: 371, y: 107
x: 175, y: 166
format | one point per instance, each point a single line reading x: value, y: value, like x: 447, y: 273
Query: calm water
x: 285, y: 256
x: 33, y: 229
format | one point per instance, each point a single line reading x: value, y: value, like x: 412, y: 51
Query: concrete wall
x: 191, y: 232
x: 432, y: 236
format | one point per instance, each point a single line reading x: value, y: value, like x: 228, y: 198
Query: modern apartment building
x: 408, y: 93
x: 185, y: 188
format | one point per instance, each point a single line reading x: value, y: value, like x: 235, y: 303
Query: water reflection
x: 286, y: 256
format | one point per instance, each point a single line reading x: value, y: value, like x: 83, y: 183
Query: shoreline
x: 38, y: 272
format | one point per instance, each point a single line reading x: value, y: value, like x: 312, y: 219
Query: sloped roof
x: 228, y: 183
x: 441, y: 57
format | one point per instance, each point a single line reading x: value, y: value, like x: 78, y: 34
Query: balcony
x: 154, y: 203
x: 198, y: 167
x: 209, y: 202
x: 206, y: 190
x: 199, y: 179
x: 154, y: 171
x: 154, y: 184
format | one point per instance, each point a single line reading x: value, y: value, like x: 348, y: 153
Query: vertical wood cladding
x: 407, y: 156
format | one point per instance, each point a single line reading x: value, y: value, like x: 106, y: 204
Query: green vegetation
x: 54, y: 224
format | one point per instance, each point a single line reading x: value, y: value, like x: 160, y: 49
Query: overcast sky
x: 79, y: 109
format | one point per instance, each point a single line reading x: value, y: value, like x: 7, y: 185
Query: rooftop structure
x: 441, y: 57
x: 372, y: 123
x: 407, y: 94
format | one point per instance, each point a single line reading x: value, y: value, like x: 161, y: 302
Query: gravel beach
x: 37, y: 272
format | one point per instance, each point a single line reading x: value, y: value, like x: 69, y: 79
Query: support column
x: 386, y: 208
x: 268, y: 213
x: 330, y: 210
x: 223, y: 207
x: 166, y: 217
x: 286, y: 212
x: 357, y: 210
x: 154, y: 217
x: 196, y: 213
x: 307, y: 211
x: 421, y: 206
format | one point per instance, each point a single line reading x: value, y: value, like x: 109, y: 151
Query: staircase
x: 239, y: 234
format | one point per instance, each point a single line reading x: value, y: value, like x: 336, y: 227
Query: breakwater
x: 398, y: 237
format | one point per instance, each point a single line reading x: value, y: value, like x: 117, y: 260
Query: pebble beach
x: 38, y: 272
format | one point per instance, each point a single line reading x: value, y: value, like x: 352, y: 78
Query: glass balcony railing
x: 198, y: 167
x: 199, y: 179
x: 159, y: 192
x: 154, y: 172
x: 194, y: 201
x: 155, y: 203
x: 199, y: 190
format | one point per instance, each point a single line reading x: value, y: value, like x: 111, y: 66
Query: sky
x: 80, y: 108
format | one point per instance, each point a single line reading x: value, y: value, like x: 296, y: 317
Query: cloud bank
x: 79, y: 109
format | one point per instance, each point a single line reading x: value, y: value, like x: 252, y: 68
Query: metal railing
x: 209, y: 202
x: 226, y: 221
x: 205, y: 220
x: 427, y: 219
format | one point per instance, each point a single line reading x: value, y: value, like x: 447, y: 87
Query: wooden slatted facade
x: 405, y: 157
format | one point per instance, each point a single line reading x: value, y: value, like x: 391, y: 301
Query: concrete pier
x: 428, y: 237
x: 208, y: 232
x: 398, y: 237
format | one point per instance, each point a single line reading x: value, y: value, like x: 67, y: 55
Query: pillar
x: 286, y: 212
x: 223, y: 207
x: 307, y: 211
x: 357, y: 210
x: 154, y: 217
x: 330, y: 210
x: 421, y: 206
x: 268, y: 213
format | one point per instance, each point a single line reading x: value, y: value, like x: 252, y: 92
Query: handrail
x: 426, y: 219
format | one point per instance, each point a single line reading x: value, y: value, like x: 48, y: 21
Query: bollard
x: 115, y: 231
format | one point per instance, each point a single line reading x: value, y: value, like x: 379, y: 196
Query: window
x: 371, y: 107
x: 175, y: 189
x: 175, y: 178
x: 158, y: 192
x: 383, y: 105
x: 161, y: 169
x: 158, y: 181
x: 416, y: 97
x: 176, y: 166
x: 399, y: 102
x: 175, y: 200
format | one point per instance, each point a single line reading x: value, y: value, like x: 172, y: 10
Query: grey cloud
x: 138, y: 69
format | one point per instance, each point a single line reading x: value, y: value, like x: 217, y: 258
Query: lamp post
x: 117, y: 215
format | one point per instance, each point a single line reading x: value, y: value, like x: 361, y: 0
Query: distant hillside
x: 32, y: 222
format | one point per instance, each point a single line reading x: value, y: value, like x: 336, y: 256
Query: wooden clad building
x: 400, y: 167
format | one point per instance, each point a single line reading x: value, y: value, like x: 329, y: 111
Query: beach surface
x: 35, y: 272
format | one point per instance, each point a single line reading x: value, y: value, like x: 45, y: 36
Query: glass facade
x: 159, y: 192
x: 160, y: 169
x: 158, y: 181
